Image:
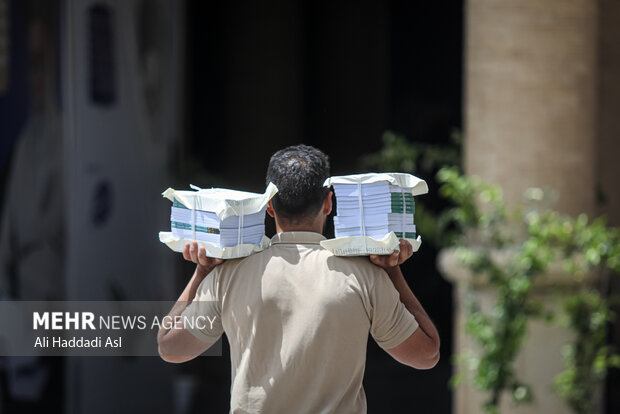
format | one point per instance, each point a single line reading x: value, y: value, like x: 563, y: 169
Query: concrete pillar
x: 531, y: 73
x: 530, y: 105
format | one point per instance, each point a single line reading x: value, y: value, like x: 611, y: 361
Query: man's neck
x: 316, y: 226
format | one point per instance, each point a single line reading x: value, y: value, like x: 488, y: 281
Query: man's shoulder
x: 360, y: 266
x: 231, y: 265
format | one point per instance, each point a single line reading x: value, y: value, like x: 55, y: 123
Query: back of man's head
x: 299, y: 172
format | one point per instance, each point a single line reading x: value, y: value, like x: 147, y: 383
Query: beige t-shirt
x: 297, y: 319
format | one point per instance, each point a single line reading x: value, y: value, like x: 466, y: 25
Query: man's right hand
x: 178, y: 345
x: 205, y: 264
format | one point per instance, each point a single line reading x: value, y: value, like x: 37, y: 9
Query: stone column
x: 530, y: 121
x: 530, y: 110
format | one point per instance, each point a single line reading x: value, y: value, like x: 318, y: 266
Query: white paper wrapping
x: 221, y: 201
x: 364, y: 245
x: 417, y: 185
x: 212, y: 250
x: 224, y: 203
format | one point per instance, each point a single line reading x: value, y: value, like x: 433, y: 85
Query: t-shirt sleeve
x: 391, y: 323
x: 203, y: 317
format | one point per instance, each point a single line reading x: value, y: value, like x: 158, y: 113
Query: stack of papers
x: 374, y: 211
x: 381, y: 208
x: 228, y: 223
x: 248, y: 229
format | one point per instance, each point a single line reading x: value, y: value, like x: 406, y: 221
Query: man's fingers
x: 393, y: 258
x: 397, y: 257
x: 386, y: 261
x: 204, y: 260
x: 406, y: 251
x: 193, y: 252
x: 202, y: 256
x: 186, y: 255
x: 381, y: 261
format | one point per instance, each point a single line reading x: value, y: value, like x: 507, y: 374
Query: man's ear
x: 270, y: 210
x: 328, y: 203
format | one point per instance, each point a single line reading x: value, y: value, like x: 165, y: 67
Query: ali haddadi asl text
x: 78, y: 342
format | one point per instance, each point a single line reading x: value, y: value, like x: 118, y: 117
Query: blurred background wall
x: 104, y: 104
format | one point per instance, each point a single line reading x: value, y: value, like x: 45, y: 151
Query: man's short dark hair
x: 299, y: 172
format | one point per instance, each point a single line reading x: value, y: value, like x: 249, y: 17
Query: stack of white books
x: 227, y: 223
x: 381, y: 208
x: 374, y: 211
x: 207, y: 226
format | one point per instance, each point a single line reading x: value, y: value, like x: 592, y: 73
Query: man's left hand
x: 399, y: 256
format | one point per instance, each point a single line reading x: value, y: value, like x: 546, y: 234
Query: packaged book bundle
x: 207, y: 226
x: 382, y: 208
x: 373, y: 211
x: 228, y: 223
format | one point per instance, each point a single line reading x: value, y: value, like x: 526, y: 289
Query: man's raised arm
x: 178, y: 345
x: 421, y: 349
